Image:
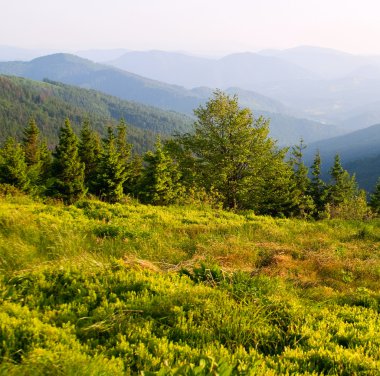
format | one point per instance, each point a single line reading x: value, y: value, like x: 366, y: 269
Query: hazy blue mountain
x: 360, y: 144
x: 325, y: 100
x: 324, y: 62
x: 80, y: 72
x: 101, y: 56
x: 328, y: 63
x: 171, y: 67
x: 367, y: 171
x: 239, y: 70
x: 246, y: 70
x: 316, y: 83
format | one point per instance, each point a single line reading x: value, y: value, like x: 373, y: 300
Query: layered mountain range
x: 329, y: 98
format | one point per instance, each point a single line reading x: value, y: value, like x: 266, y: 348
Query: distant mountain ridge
x: 244, y: 70
x: 73, y: 70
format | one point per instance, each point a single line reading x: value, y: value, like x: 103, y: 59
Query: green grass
x: 99, y: 289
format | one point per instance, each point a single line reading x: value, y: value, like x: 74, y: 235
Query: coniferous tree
x: 374, y: 201
x: 125, y: 151
x: 134, y: 171
x: 13, y: 168
x: 317, y: 186
x: 343, y: 187
x: 67, y: 169
x: 123, y: 147
x: 274, y: 192
x: 160, y: 181
x: 304, y: 203
x: 89, y: 153
x: 31, y: 143
x: 112, y: 170
x: 45, y: 161
x: 345, y: 200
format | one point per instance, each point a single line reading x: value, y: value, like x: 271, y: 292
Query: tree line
x: 228, y: 159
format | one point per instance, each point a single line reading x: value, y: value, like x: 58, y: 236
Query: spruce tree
x: 317, y: 186
x: 89, y: 153
x: 374, y: 201
x: 123, y: 147
x: 345, y: 200
x: 45, y: 162
x: 134, y: 171
x: 31, y: 143
x: 13, y: 167
x: 125, y: 151
x: 68, y: 170
x: 304, y: 203
x: 160, y: 181
x: 343, y: 187
x: 112, y: 171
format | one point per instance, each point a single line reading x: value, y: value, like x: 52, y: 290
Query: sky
x: 197, y: 26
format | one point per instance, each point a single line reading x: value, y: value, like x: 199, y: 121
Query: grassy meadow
x: 100, y: 289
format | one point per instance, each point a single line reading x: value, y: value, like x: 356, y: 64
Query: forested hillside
x: 49, y: 103
x: 358, y: 150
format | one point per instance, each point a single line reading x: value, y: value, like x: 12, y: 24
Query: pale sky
x: 199, y: 26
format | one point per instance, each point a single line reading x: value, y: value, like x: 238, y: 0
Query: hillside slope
x: 356, y: 145
x: 359, y: 152
x: 50, y: 103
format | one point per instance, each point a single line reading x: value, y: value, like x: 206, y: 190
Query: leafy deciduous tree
x: 232, y: 153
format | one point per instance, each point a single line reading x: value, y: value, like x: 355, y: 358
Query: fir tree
x: 304, y: 204
x: 345, y: 200
x: 89, y: 153
x: 68, y: 170
x: 13, y: 167
x: 160, y: 181
x: 31, y: 143
x: 123, y: 147
x: 112, y: 171
x: 45, y: 161
x: 134, y: 171
x: 374, y: 201
x: 343, y: 187
x: 317, y: 186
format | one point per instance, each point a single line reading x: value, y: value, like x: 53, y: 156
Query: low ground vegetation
x: 96, y: 288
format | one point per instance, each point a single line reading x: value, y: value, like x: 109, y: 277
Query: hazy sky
x: 202, y: 26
